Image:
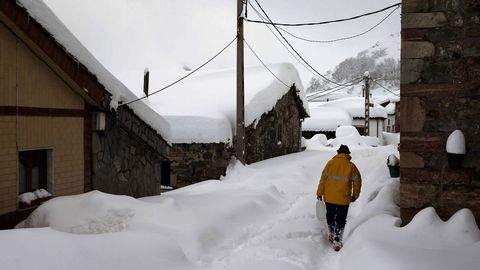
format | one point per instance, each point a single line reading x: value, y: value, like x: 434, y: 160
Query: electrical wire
x: 324, y: 22
x: 256, y: 55
x: 331, y: 90
x: 281, y: 42
x: 347, y: 84
x: 340, y: 39
x: 184, y: 77
x: 375, y: 81
x: 296, y: 52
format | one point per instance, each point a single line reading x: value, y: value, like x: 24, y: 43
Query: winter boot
x: 337, y: 245
x: 331, y: 230
x: 337, y: 239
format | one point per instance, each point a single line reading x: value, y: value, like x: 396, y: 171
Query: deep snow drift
x: 260, y: 216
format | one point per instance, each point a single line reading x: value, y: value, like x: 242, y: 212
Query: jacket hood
x: 344, y: 156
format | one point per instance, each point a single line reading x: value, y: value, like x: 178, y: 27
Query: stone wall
x: 192, y: 163
x: 278, y: 132
x: 440, y: 91
x: 127, y: 156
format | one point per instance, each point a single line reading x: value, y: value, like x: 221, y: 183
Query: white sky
x: 129, y: 35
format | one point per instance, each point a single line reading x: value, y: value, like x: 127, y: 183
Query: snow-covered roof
x: 390, y: 97
x: 202, y: 109
x: 325, y: 118
x: 327, y: 97
x: 38, y: 10
x: 390, y: 108
x: 355, y: 106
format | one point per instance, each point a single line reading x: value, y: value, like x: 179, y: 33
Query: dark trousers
x: 336, y: 215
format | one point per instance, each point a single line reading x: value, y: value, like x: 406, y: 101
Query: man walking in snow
x: 339, y: 185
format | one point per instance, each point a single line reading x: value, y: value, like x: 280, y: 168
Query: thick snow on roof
x: 390, y: 97
x: 390, y: 108
x: 317, y: 97
x: 355, y: 106
x: 38, y: 10
x: 202, y: 109
x: 326, y: 118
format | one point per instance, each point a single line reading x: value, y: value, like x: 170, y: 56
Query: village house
x: 58, y: 133
x: 440, y: 86
x: 355, y: 107
x: 324, y: 120
x: 201, y: 113
x: 392, y: 105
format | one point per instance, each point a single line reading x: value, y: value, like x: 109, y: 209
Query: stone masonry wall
x: 127, y: 156
x: 278, y: 132
x: 440, y: 91
x: 192, y: 163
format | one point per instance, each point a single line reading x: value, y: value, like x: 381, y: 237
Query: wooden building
x: 51, y: 106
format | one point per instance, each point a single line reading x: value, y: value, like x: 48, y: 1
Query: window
x: 32, y: 170
x: 165, y: 174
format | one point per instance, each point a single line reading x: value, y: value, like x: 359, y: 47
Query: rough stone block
x: 423, y: 20
x: 416, y: 195
x: 431, y: 89
x: 423, y: 176
x: 410, y: 6
x: 421, y: 143
x: 413, y: 34
x: 411, y: 160
x: 455, y: 177
x: 417, y: 49
x: 471, y: 47
x: 412, y: 118
x: 411, y: 70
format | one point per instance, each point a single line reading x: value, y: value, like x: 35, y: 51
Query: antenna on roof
x: 146, y: 76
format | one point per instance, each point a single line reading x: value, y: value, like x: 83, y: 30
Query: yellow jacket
x: 338, y: 177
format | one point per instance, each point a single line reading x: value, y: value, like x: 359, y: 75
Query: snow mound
x: 391, y: 138
x: 347, y: 135
x: 99, y: 213
x: 431, y: 231
x: 50, y: 249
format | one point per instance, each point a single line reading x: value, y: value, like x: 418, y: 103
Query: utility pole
x: 366, y: 79
x: 240, y: 133
x: 146, y: 78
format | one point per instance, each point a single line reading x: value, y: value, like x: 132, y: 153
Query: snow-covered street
x: 260, y: 216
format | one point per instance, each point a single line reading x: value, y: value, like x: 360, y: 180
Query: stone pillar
x: 440, y: 87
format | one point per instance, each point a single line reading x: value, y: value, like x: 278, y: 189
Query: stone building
x: 275, y: 133
x: 56, y: 129
x: 194, y: 162
x: 201, y: 113
x: 440, y: 92
x: 278, y: 132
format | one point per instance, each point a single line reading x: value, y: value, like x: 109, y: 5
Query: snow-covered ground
x: 260, y: 216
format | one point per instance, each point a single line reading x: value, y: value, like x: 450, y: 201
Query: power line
x: 256, y: 55
x: 375, y: 81
x: 182, y: 78
x: 331, y: 90
x: 324, y: 22
x: 340, y: 39
x: 347, y: 84
x: 279, y: 40
x: 296, y: 52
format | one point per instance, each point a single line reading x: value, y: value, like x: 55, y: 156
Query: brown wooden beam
x: 33, y: 111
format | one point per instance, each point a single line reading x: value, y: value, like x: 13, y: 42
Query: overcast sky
x: 164, y: 35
